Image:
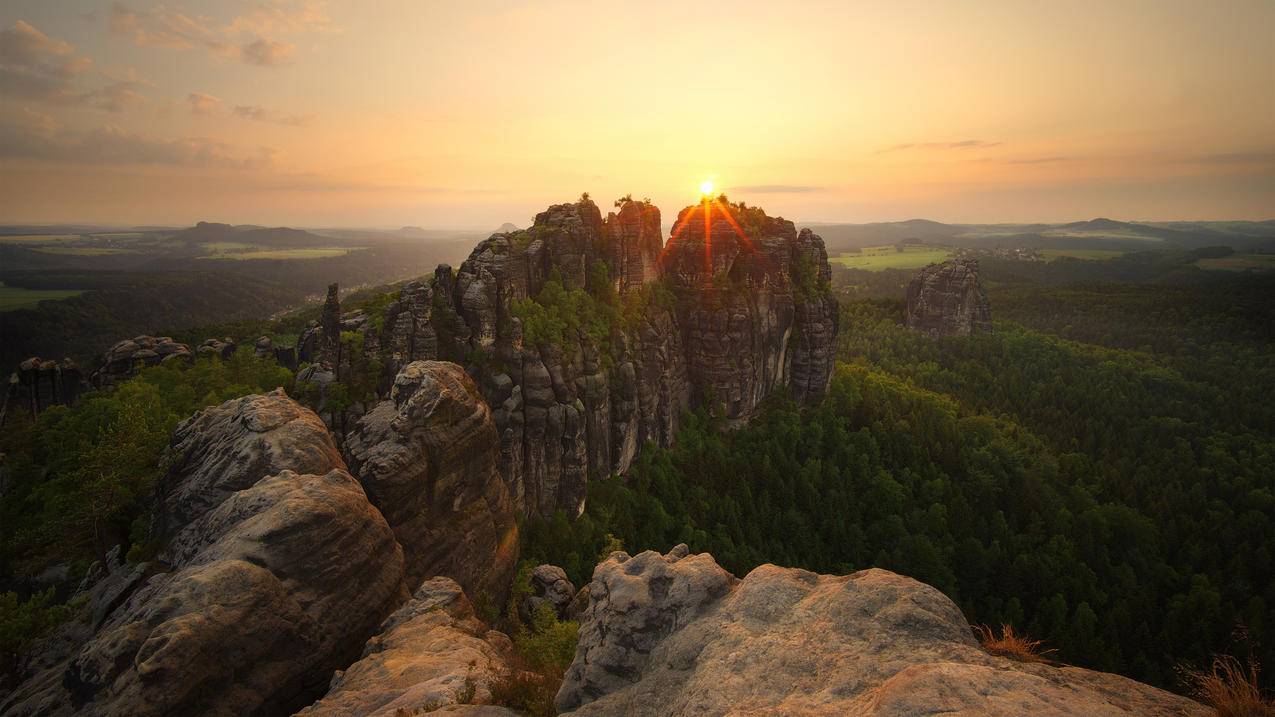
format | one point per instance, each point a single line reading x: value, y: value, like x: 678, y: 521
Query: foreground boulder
x: 428, y: 459
x: 676, y: 635
x: 948, y: 300
x: 430, y: 653
x: 270, y: 579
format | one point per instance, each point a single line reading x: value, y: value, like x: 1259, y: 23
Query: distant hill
x: 1099, y: 233
x: 212, y: 233
x: 506, y: 228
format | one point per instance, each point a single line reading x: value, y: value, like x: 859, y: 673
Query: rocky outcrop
x: 579, y: 407
x: 551, y: 587
x: 427, y: 458
x: 754, y: 306
x: 430, y: 653
x: 676, y: 635
x: 42, y: 382
x: 948, y: 300
x: 275, y: 569
x: 222, y: 348
x: 126, y: 357
x: 227, y: 448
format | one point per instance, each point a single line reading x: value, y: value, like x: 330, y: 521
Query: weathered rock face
x: 228, y: 448
x: 948, y: 300
x: 430, y: 653
x: 753, y: 306
x: 427, y: 458
x: 269, y: 579
x: 122, y: 360
x: 572, y: 411
x: 677, y: 635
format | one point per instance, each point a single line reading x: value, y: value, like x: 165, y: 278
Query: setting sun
x: 706, y: 187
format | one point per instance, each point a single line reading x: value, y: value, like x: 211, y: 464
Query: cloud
x: 251, y: 37
x: 31, y: 135
x: 266, y: 52
x: 963, y: 144
x: 258, y: 113
x: 34, y: 66
x: 202, y: 104
x: 774, y: 189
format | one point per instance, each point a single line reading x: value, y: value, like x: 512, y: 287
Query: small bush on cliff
x: 543, y: 650
x: 21, y: 622
x: 558, y: 317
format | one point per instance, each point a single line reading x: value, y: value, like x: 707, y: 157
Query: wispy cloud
x: 36, y: 67
x: 32, y: 135
x: 962, y: 144
x: 774, y: 189
x: 258, y: 113
x: 203, y: 104
x: 252, y: 37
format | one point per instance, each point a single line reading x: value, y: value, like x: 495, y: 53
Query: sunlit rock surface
x: 432, y: 652
x: 675, y: 635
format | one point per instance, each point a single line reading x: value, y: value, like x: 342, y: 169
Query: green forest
x: 1111, y: 492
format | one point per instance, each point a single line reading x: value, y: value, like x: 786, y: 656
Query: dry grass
x: 1010, y: 644
x: 1230, y: 688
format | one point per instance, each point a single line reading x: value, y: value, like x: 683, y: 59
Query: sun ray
x: 739, y: 231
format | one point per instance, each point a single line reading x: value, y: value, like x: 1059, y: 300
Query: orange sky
x: 470, y: 114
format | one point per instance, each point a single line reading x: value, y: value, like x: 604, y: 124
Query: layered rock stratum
x: 948, y: 300
x: 758, y: 319
x: 676, y: 635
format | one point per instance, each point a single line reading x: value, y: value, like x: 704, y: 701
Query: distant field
x: 1118, y: 234
x: 877, y: 258
x: 1239, y: 262
x: 37, y: 238
x: 15, y: 297
x: 1091, y: 254
x: 80, y: 250
x: 243, y: 252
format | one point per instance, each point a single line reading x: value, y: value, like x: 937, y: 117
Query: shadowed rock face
x: 948, y: 300
x: 428, y: 459
x: 677, y: 635
x: 753, y: 306
x: 569, y: 413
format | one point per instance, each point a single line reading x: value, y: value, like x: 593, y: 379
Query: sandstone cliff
x: 427, y: 459
x: 948, y: 300
x: 276, y: 567
x: 676, y: 635
x: 575, y: 396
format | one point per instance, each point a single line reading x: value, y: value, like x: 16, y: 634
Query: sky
x: 470, y: 114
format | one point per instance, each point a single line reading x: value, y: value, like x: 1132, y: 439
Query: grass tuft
x: 1230, y: 687
x: 1011, y: 645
